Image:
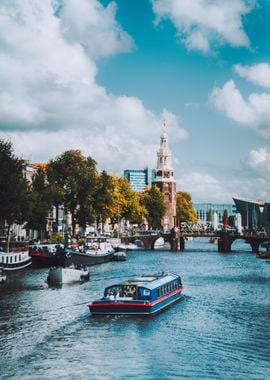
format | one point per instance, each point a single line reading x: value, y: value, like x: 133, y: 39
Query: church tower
x: 164, y: 180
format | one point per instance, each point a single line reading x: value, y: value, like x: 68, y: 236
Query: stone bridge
x: 177, y: 239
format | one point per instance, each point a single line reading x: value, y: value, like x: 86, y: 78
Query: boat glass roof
x: 149, y: 281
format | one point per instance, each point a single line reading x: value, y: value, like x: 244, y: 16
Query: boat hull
x: 3, y: 277
x: 47, y: 255
x: 67, y: 275
x: 43, y: 260
x: 13, y: 266
x: 88, y: 259
x: 16, y: 257
x: 263, y: 255
x: 134, y: 307
x: 120, y: 256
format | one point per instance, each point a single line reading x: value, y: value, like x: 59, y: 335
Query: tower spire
x: 164, y: 167
x: 164, y: 179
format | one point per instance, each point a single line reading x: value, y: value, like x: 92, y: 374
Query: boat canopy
x: 149, y: 281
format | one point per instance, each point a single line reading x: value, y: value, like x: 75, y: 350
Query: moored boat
x: 47, y: 255
x: 120, y: 256
x: 91, y: 254
x: 14, y: 256
x: 71, y: 274
x: 128, y: 247
x: 263, y: 255
x: 144, y: 295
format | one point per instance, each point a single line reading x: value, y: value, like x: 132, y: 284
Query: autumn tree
x: 104, y: 197
x: 184, y: 208
x: 124, y: 203
x: 153, y: 200
x: 14, y: 188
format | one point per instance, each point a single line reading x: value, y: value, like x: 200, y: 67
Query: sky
x: 103, y: 76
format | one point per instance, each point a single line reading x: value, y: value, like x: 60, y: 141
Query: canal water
x: 220, y: 329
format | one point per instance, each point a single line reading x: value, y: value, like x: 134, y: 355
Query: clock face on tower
x: 166, y: 174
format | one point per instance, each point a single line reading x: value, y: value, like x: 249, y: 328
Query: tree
x: 73, y: 177
x: 131, y: 209
x: 153, y: 200
x: 103, y: 197
x: 14, y: 188
x: 184, y: 208
x: 41, y: 201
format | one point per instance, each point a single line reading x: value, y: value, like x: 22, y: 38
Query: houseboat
x: 14, y: 256
x: 144, y: 295
x: 47, y: 255
x: 93, y: 253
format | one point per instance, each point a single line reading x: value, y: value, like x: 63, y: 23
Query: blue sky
x: 101, y: 76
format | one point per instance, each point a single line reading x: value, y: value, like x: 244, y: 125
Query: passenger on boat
x: 117, y: 295
x: 110, y: 296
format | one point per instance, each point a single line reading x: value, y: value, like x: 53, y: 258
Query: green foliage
x: 103, y: 197
x: 14, y: 189
x: 153, y: 201
x: 41, y: 200
x: 72, y: 178
x: 184, y: 208
x: 57, y: 238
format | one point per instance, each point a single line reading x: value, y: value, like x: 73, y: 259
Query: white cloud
x: 49, y: 98
x: 253, y: 112
x: 204, y: 187
x: 203, y: 23
x: 258, y: 74
x: 95, y: 27
x: 260, y: 160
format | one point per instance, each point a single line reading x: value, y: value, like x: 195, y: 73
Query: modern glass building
x: 255, y: 213
x: 202, y: 210
x: 140, y: 178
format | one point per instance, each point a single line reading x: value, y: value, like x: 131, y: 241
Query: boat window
x: 129, y: 291
x: 144, y: 294
x: 116, y: 291
x: 20, y: 257
x: 15, y: 259
x: 10, y: 259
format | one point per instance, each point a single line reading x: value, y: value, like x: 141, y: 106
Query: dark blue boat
x: 144, y: 295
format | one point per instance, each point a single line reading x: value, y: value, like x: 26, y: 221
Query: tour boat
x: 98, y: 253
x: 144, y: 295
x: 71, y: 274
x: 47, y: 255
x: 14, y: 256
